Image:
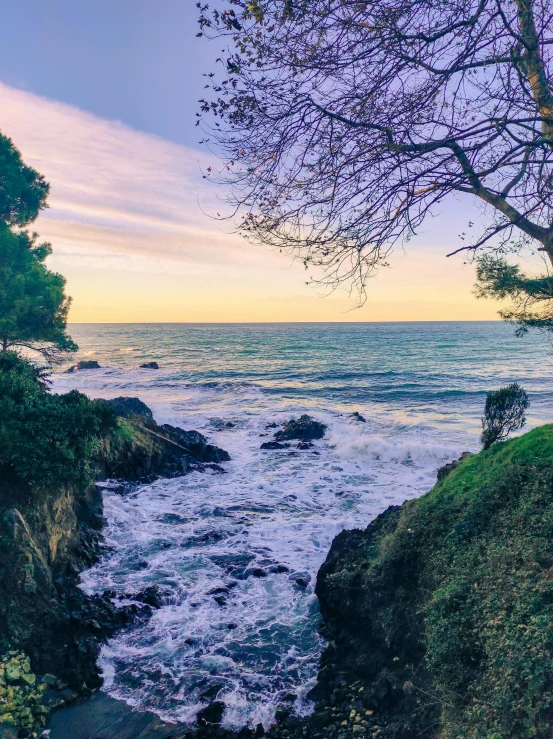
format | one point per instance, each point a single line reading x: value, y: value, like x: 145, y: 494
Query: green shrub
x: 47, y: 438
x: 504, y: 412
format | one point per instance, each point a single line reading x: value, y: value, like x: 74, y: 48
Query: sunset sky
x: 101, y: 98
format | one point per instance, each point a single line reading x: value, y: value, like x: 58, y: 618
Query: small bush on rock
x: 504, y: 412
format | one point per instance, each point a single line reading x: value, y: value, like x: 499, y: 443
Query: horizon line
x: 261, y: 323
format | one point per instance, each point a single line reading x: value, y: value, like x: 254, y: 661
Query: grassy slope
x: 479, y: 549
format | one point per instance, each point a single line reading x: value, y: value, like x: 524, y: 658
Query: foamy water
x: 236, y: 555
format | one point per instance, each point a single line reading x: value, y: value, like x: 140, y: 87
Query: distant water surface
x: 421, y: 388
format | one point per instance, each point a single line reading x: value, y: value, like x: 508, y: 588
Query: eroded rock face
x: 375, y: 639
x: 48, y: 535
x: 143, y: 450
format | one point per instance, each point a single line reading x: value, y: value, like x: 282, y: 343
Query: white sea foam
x: 273, y: 512
x: 215, y: 532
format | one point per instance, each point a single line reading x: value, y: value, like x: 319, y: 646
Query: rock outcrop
x: 84, y: 364
x: 303, y: 428
x: 48, y: 535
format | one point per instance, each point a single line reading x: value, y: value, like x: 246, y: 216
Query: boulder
x: 274, y: 445
x: 84, y: 364
x: 211, y: 714
x: 303, y: 428
x: 358, y: 417
x: 149, y: 365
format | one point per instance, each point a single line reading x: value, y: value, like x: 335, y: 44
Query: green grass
x: 476, y: 554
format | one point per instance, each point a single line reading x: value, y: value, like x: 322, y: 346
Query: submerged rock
x: 358, y: 417
x: 149, y: 365
x: 303, y: 428
x: 274, y: 445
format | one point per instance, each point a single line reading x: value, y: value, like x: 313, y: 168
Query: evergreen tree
x: 33, y: 304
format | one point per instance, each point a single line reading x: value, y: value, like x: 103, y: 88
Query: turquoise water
x: 421, y: 388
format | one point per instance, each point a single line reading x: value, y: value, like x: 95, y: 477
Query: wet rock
x: 150, y: 597
x: 254, y: 572
x: 447, y: 468
x: 278, y: 569
x: 358, y: 417
x: 84, y: 364
x: 211, y: 714
x: 304, y: 445
x: 303, y: 428
x: 272, y: 425
x: 149, y: 365
x: 195, y: 443
x: 219, y: 591
x: 220, y: 424
x: 300, y: 579
x: 274, y: 445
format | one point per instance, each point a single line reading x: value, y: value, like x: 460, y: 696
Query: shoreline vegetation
x: 437, y: 615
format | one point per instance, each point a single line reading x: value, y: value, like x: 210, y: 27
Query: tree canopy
x: 33, y: 304
x: 345, y: 124
x: 23, y: 191
x: 45, y: 438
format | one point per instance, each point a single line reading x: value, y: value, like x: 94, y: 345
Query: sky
x: 101, y: 98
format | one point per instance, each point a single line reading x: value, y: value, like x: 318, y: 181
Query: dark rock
x: 300, y: 579
x: 129, y: 407
x: 272, y: 425
x: 447, y: 468
x: 358, y: 417
x: 220, y: 425
x: 304, y: 428
x: 84, y: 364
x: 219, y: 591
x: 211, y: 714
x: 274, y: 445
x: 304, y: 445
x: 196, y: 444
x: 149, y: 365
x: 150, y: 597
x: 254, y: 572
x: 278, y: 569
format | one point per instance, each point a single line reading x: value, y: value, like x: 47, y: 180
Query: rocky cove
x: 401, y: 601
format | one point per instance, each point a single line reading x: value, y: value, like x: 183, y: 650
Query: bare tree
x: 345, y: 123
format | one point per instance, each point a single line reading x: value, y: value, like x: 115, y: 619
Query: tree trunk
x: 534, y: 69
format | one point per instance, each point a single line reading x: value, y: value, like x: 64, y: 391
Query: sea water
x: 223, y: 632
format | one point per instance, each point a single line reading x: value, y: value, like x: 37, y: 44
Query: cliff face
x: 439, y: 614
x: 48, y: 535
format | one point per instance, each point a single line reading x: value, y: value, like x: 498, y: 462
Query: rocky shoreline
x: 47, y: 537
x: 479, y: 543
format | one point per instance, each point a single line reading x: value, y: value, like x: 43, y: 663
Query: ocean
x: 421, y: 388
